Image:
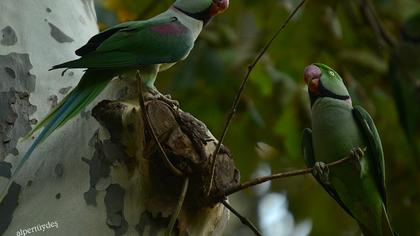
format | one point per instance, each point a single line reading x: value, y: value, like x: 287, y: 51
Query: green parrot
x: 340, y: 130
x: 149, y: 46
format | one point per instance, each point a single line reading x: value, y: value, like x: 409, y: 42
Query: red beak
x: 218, y: 6
x: 312, y: 76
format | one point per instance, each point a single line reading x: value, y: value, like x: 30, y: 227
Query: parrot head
x: 201, y: 9
x: 323, y: 81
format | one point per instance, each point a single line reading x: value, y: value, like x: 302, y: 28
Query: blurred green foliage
x: 374, y: 45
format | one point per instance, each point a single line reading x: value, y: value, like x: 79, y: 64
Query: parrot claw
x: 167, y: 98
x: 154, y: 94
x: 321, y: 171
x: 357, y: 154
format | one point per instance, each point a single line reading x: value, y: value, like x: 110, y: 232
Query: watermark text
x: 37, y: 228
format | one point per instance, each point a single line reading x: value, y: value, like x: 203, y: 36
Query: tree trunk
x: 84, y: 179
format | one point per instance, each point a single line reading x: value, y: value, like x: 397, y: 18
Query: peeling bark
x: 8, y: 36
x: 189, y: 145
x: 88, y: 179
x: 186, y: 140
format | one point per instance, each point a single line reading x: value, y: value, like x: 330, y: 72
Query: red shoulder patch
x: 169, y: 29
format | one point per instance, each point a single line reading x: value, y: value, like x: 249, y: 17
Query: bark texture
x: 188, y: 144
x: 87, y: 179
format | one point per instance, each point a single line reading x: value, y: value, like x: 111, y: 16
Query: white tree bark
x: 79, y: 179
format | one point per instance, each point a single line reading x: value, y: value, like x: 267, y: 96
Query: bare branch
x: 371, y: 16
x: 165, y: 158
x: 243, y: 219
x: 286, y: 174
x: 178, y: 207
x: 241, y: 89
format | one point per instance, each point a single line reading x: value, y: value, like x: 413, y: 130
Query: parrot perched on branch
x: 150, y: 46
x: 340, y: 130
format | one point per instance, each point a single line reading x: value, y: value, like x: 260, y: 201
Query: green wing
x: 131, y: 44
x: 309, y: 157
x: 308, y: 152
x: 376, y: 155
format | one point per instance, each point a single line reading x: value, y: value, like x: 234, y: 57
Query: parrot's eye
x: 331, y: 73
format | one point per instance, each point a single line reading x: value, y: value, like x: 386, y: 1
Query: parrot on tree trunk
x: 149, y: 46
x: 340, y: 130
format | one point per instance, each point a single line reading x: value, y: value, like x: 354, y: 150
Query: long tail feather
x: 386, y: 224
x: 85, y: 92
x: 384, y: 228
x: 69, y: 64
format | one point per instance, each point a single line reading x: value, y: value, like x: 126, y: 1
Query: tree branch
x: 243, y: 219
x: 286, y: 174
x: 241, y: 89
x: 178, y: 206
x: 372, y: 18
x: 165, y: 158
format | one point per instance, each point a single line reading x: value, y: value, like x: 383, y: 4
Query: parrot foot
x: 168, y: 99
x: 321, y: 172
x: 357, y: 154
x: 150, y: 95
